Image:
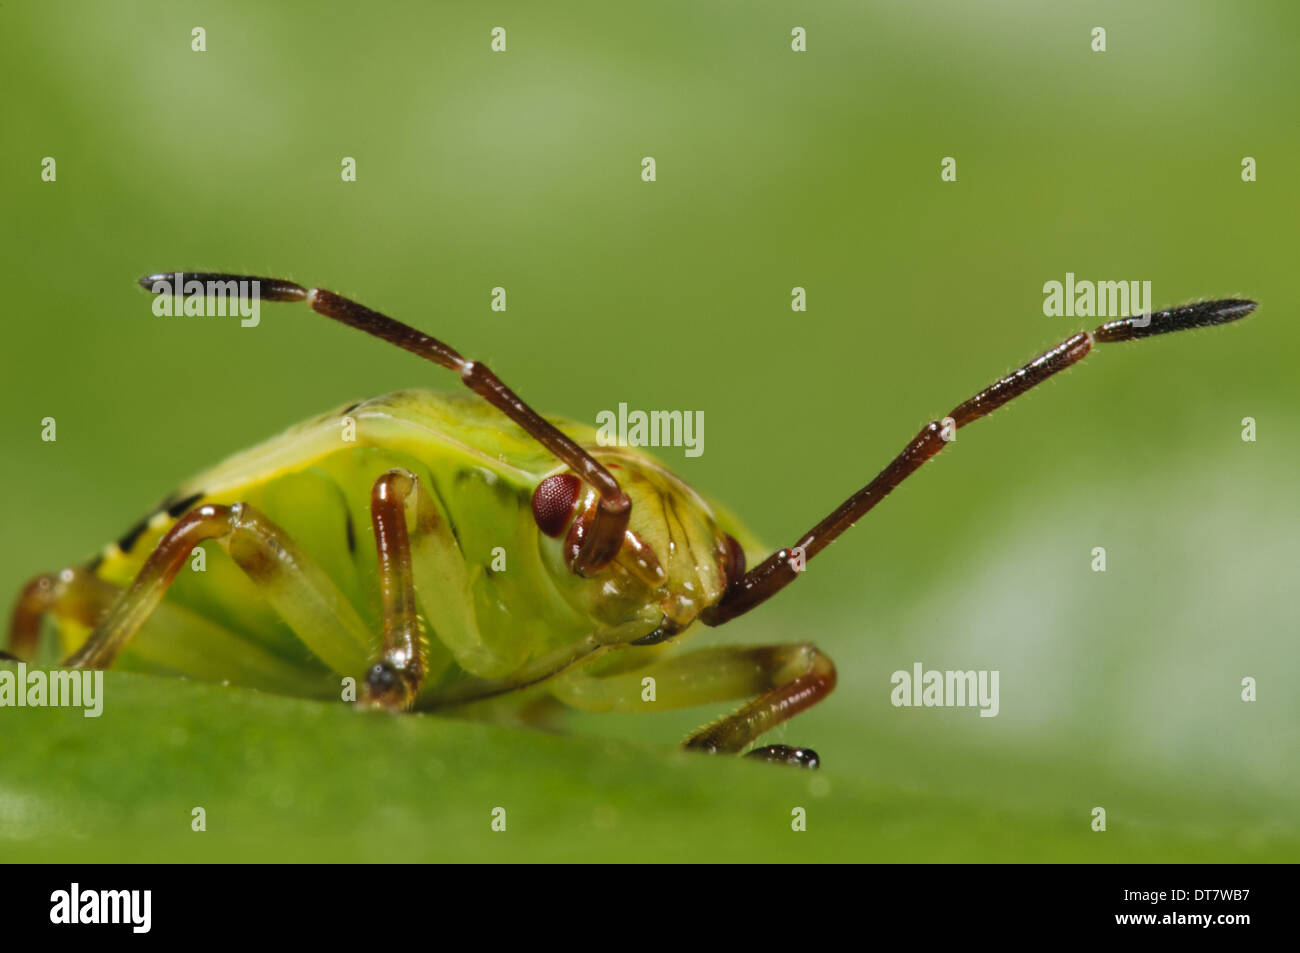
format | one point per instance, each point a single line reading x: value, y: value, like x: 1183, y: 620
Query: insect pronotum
x: 611, y: 556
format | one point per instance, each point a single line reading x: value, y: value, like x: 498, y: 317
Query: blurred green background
x: 775, y: 169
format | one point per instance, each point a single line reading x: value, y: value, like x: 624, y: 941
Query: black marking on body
x: 95, y: 562
x: 179, y: 508
x: 175, y: 507
x: 132, y: 536
x: 351, y: 531
x: 349, y: 408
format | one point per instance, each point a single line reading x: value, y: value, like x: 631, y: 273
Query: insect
x: 372, y: 558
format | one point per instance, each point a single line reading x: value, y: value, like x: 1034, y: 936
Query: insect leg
x: 443, y: 585
x: 394, y: 679
x: 606, y: 535
x: 184, y: 641
x: 289, y: 580
x: 34, y: 601
x: 72, y: 595
x: 426, y: 564
x: 786, y: 679
x: 779, y: 570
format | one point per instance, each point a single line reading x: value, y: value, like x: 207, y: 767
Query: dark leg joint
x: 390, y: 686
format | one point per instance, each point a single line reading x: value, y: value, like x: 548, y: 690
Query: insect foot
x: 388, y: 687
x: 785, y: 754
x: 774, y: 754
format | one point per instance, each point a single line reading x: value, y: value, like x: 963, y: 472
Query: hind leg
x: 289, y: 580
x: 70, y: 596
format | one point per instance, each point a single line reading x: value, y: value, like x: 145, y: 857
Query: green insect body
x: 429, y: 551
x: 481, y: 471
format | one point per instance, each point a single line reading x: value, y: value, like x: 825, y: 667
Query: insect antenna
x: 601, y: 544
x: 781, y: 568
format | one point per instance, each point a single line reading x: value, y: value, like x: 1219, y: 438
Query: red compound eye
x: 553, y: 502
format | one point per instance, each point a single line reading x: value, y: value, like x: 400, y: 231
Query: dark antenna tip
x: 1230, y: 309
x: 268, y: 289
x: 1198, y: 314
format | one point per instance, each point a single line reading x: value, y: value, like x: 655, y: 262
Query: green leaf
x: 282, y: 780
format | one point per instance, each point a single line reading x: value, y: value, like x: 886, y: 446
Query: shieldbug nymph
x: 370, y: 558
